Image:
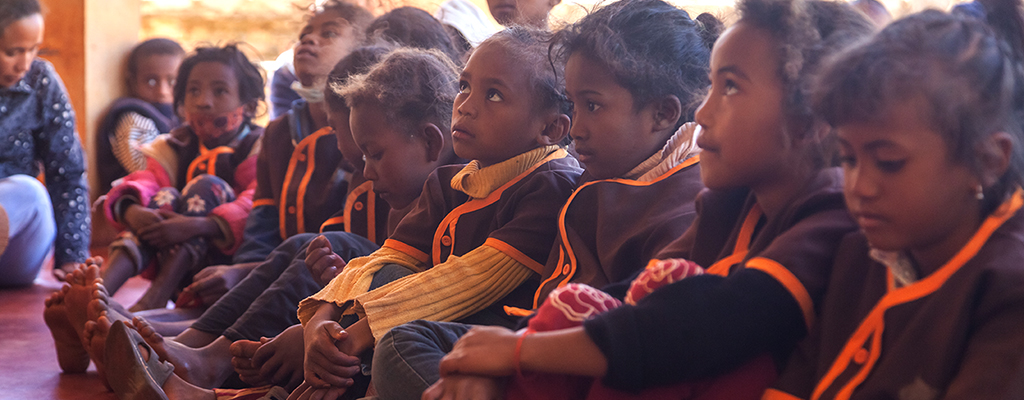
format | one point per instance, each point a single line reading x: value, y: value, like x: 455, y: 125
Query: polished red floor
x: 28, y: 362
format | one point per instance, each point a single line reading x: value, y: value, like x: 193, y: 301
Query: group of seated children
x: 638, y: 205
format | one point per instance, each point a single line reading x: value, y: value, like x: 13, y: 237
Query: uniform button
x: 301, y: 157
x: 202, y: 167
x: 446, y: 240
x: 860, y: 356
x: 358, y: 206
x: 565, y: 269
x: 291, y: 209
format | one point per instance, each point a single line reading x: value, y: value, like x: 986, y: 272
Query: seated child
x: 493, y: 218
x: 641, y: 173
x: 196, y: 190
x: 924, y: 302
x: 766, y: 232
x: 147, y: 111
x: 413, y: 27
x: 532, y: 13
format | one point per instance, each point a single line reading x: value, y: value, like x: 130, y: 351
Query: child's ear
x: 556, y: 130
x: 250, y: 109
x: 995, y: 156
x: 553, y: 3
x: 667, y: 111
x: 434, y: 140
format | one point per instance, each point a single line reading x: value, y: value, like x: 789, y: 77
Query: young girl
x: 37, y: 134
x: 641, y: 165
x: 493, y: 218
x: 926, y: 300
x: 147, y: 111
x: 197, y: 187
x: 766, y: 230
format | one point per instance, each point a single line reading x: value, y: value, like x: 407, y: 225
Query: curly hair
x: 530, y: 47
x: 13, y: 10
x: 250, y: 75
x: 411, y: 86
x: 652, y: 48
x: 806, y: 32
x: 356, y: 15
x: 359, y: 61
x: 968, y: 72
x: 148, y: 48
x: 412, y: 27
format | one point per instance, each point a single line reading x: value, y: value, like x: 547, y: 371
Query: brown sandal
x: 130, y: 376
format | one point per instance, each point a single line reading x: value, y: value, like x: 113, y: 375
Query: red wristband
x: 519, y: 349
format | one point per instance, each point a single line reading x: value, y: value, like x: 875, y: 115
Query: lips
x: 460, y: 132
x: 868, y: 220
x: 305, y: 52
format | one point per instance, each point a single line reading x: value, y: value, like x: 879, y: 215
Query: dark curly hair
x: 359, y: 61
x: 805, y: 32
x: 13, y: 10
x: 529, y: 46
x: 411, y: 86
x: 652, y: 48
x: 151, y: 47
x: 412, y: 27
x: 967, y: 70
x: 250, y: 75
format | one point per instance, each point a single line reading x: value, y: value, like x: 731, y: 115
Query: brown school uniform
x: 609, y: 228
x: 365, y: 213
x: 957, y: 333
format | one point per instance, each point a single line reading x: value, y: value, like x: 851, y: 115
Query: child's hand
x: 137, y: 217
x: 241, y: 359
x: 279, y: 359
x: 305, y: 391
x: 468, y: 387
x: 210, y: 283
x: 176, y: 228
x: 484, y: 350
x: 324, y: 365
x: 322, y: 262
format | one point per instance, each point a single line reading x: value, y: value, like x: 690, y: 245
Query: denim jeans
x: 405, y: 360
x: 31, y: 229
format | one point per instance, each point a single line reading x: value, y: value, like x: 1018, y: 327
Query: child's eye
x: 730, y: 87
x: 591, y: 106
x: 890, y: 166
x: 151, y: 82
x: 463, y: 87
x: 495, y: 96
x: 847, y: 161
x: 329, y: 34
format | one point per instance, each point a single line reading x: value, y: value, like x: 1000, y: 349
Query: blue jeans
x: 405, y: 360
x: 31, y: 229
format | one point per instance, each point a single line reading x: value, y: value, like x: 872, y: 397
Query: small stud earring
x: 979, y: 193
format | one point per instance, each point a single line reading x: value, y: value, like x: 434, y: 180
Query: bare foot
x: 206, y: 367
x: 241, y: 358
x: 82, y: 283
x: 71, y: 354
x: 95, y: 337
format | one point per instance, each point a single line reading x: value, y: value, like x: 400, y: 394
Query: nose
x: 309, y: 38
x: 577, y: 132
x: 166, y: 90
x: 369, y: 172
x: 23, y: 63
x: 859, y: 183
x: 704, y: 112
x: 465, y: 106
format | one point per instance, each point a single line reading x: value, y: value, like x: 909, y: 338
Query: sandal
x: 129, y: 375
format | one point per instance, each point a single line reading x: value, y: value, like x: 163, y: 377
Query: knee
x: 211, y: 186
x: 26, y: 190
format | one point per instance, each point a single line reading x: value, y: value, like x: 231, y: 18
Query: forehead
x: 27, y: 31
x: 750, y: 49
x: 155, y: 63
x: 904, y: 125
x: 326, y: 17
x: 212, y: 72
x: 583, y: 72
x: 369, y: 123
x: 494, y: 60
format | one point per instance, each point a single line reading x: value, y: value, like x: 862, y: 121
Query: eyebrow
x: 879, y: 144
x: 495, y: 82
x: 733, y: 69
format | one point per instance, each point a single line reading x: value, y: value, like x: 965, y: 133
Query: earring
x: 979, y: 193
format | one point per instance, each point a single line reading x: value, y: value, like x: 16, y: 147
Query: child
x: 211, y: 161
x: 924, y: 302
x: 766, y: 230
x: 147, y: 111
x: 532, y: 13
x: 413, y: 27
x: 298, y: 152
x: 37, y: 132
x: 508, y: 117
x: 641, y: 165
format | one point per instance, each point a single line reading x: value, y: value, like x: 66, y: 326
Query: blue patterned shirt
x: 37, y: 131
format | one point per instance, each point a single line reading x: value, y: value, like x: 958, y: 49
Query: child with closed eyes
x: 925, y: 301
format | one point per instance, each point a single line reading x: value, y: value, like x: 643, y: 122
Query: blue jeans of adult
x: 30, y: 229
x: 405, y: 360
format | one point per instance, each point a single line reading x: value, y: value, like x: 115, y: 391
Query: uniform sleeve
x: 63, y: 162
x: 355, y: 280
x: 706, y: 325
x: 449, y: 291
x: 231, y: 217
x: 132, y: 130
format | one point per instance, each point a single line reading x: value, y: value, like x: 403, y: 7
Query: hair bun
x: 709, y: 27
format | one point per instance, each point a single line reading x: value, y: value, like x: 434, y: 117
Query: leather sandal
x: 130, y: 376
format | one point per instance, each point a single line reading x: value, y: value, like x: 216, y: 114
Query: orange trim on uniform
x: 306, y: 142
x: 331, y: 221
x: 788, y: 280
x: 775, y: 394
x: 209, y: 157
x: 739, y: 251
x: 407, y: 249
x: 371, y: 214
x: 563, y: 235
x: 263, y: 202
x: 450, y: 220
x: 873, y: 325
x: 300, y: 200
x: 517, y: 255
x: 516, y: 311
x: 350, y: 201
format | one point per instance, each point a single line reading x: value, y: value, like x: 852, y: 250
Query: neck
x: 223, y: 140
x: 319, y: 115
x: 773, y: 196
x: 313, y: 81
x: 931, y: 256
